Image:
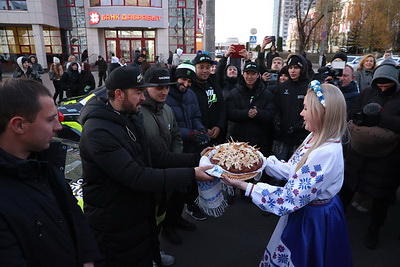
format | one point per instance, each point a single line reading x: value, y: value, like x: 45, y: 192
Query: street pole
x: 325, y: 35
x: 210, y: 27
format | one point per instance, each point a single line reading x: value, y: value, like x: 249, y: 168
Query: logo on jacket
x: 286, y: 92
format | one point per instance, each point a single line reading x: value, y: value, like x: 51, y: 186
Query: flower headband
x: 316, y: 86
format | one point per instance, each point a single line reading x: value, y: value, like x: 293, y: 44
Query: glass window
x: 23, y: 40
x: 70, y: 3
x: 48, y: 49
x: 17, y: 5
x: 22, y: 32
x: 130, y: 34
x: 105, y: 2
x: 156, y: 3
x: 11, y: 40
x: 110, y: 34
x: 118, y: 2
x: 57, y: 49
x: 144, y: 3
x: 94, y: 2
x: 124, y: 49
x: 181, y: 3
x: 149, y: 34
x: 25, y: 49
x: 47, y: 40
x: 131, y: 2
x: 14, y: 49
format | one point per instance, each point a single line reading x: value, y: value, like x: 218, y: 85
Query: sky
x: 237, y: 18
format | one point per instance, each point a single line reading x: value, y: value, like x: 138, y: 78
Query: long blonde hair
x: 332, y: 119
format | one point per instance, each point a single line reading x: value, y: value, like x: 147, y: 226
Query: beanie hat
x: 124, y: 78
x: 295, y: 60
x: 157, y: 77
x: 56, y: 60
x: 24, y: 59
x: 284, y: 70
x: 342, y: 56
x: 185, y: 70
x: 386, y: 72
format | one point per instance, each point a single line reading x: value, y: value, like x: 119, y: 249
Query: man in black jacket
x: 120, y: 173
x: 40, y: 221
x: 251, y: 110
x: 102, y: 68
x: 211, y: 102
x: 289, y: 129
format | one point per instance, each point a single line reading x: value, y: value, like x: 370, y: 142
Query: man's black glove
x: 372, y: 113
x: 200, y: 137
x: 368, y: 116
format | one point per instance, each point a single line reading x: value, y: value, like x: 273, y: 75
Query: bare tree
x: 306, y: 22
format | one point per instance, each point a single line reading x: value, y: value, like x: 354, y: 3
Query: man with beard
x: 122, y: 171
x: 184, y: 104
x: 289, y: 129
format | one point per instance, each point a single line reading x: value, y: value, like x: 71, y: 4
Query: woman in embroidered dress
x: 312, y: 229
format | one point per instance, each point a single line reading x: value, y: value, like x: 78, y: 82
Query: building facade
x: 88, y: 28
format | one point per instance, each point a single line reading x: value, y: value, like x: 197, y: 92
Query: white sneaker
x: 166, y: 259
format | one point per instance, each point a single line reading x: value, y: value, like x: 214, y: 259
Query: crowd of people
x: 141, y: 145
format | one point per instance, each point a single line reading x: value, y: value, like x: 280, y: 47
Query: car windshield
x: 351, y: 58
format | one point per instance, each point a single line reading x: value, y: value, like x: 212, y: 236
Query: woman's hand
x: 234, y: 182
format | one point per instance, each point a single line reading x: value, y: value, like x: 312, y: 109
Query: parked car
x: 395, y: 58
x: 354, y: 61
x: 218, y: 53
x: 68, y: 113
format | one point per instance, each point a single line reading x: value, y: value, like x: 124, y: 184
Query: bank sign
x: 127, y: 17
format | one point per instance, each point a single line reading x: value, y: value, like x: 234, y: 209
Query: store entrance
x: 128, y: 43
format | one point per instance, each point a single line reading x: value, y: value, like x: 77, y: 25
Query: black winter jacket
x: 120, y: 183
x: 40, y: 221
x: 289, y: 103
x: 187, y: 114
x: 258, y: 130
x: 212, y: 106
x: 378, y: 177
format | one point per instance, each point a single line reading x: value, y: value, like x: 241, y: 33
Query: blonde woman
x: 365, y: 71
x: 312, y: 229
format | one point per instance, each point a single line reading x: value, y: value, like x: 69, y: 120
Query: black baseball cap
x: 251, y: 66
x: 157, y: 77
x: 203, y: 58
x: 125, y: 78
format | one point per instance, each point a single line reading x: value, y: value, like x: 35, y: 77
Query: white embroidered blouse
x: 320, y: 178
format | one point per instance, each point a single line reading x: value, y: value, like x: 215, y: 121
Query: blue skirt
x: 315, y: 235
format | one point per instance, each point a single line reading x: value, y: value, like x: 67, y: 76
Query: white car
x: 218, y: 54
x: 395, y: 58
x: 354, y: 61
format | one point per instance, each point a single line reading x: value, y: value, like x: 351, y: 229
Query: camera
x: 335, y: 70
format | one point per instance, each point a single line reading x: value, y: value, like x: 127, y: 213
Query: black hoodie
x: 290, y: 95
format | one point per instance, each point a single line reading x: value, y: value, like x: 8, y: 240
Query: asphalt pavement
x: 239, y: 236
